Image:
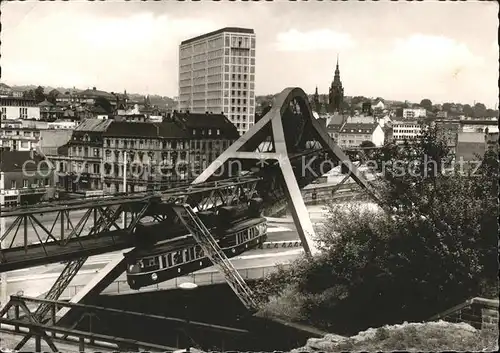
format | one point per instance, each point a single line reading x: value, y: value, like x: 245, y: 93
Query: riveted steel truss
x: 63, y: 231
x: 22, y: 320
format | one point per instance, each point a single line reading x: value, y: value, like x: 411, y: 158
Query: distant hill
x: 160, y: 101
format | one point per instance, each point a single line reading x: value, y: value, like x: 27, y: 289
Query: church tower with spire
x: 316, y: 105
x: 336, y: 94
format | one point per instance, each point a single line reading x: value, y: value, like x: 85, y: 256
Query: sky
x: 444, y: 51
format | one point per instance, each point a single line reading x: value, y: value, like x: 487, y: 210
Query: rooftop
x: 96, y: 93
x: 222, y: 30
x: 359, y: 128
x: 95, y: 125
x: 143, y: 129
x: 11, y: 161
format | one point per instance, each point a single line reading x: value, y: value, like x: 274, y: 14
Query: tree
x: 52, y: 97
x: 367, y: 144
x: 104, y: 103
x: 479, y: 110
x: 436, y: 248
x: 29, y: 94
x: 446, y: 107
x: 39, y: 94
x: 467, y: 109
x: 490, y: 113
x: 426, y: 103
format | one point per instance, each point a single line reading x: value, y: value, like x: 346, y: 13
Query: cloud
x: 315, y: 40
x: 433, y: 53
x: 88, y: 51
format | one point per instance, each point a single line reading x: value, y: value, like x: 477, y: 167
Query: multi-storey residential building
x: 414, y: 113
x: 405, y: 130
x: 15, y: 108
x: 209, y: 136
x: 80, y: 170
x: 155, y: 155
x: 352, y: 135
x: 15, y: 137
x: 25, y: 178
x: 335, y: 124
x: 26, y: 135
x: 217, y: 74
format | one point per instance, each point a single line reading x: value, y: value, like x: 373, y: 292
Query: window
x: 13, y: 184
x: 25, y: 183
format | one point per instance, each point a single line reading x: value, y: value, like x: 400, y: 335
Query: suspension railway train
x: 235, y: 228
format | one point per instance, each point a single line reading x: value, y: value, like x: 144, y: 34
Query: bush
x: 437, y: 248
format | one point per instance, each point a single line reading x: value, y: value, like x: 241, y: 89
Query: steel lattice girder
x: 288, y: 132
x: 39, y: 330
x: 96, y: 230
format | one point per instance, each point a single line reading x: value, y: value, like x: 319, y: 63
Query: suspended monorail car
x: 182, y: 255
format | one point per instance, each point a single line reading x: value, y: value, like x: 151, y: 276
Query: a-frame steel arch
x: 286, y: 131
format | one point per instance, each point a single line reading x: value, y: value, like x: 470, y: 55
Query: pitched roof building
x: 352, y: 135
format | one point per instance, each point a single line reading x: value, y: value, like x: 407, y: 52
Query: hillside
x: 155, y: 99
x: 412, y: 337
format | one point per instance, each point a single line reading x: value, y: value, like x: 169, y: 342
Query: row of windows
x: 26, y: 183
x: 238, y: 118
x: 406, y: 131
x: 240, y: 52
x: 238, y: 68
x: 239, y: 41
x: 239, y: 61
x: 190, y: 254
x: 77, y: 151
x: 18, y: 133
x: 146, y: 143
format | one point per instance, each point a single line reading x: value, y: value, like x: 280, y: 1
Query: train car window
x: 192, y: 255
x: 177, y: 258
x: 199, y: 252
x: 160, y: 261
x: 141, y: 264
x: 185, y: 254
x: 150, y: 262
x: 169, y: 259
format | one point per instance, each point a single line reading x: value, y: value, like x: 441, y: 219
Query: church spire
x: 336, y: 94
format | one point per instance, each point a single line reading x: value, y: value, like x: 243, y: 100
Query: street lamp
x: 187, y: 287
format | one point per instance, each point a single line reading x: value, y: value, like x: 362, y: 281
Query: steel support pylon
x: 273, y: 123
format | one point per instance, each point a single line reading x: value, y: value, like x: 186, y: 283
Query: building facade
x: 217, y: 75
x: 352, y: 135
x: 154, y: 156
x: 414, y: 113
x: 18, y: 108
x: 405, y: 130
x: 25, y: 178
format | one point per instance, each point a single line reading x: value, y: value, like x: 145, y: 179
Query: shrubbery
x: 437, y: 247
